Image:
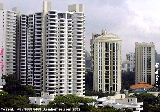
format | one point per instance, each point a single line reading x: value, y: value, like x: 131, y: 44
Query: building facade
x: 106, y: 62
x: 45, y: 49
x: 145, y: 62
x: 130, y: 58
x: 8, y: 27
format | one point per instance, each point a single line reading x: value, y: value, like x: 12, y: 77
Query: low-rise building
x: 120, y: 101
x: 140, y: 87
x: 43, y: 100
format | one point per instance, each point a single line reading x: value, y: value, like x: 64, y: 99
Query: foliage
x: 63, y: 102
x: 110, y: 109
x: 29, y: 90
x: 151, y: 103
x: 16, y: 101
x: 128, y: 79
x: 71, y: 101
x: 146, y: 98
x: 96, y: 93
x: 3, y: 93
x: 16, y: 95
x: 153, y: 108
x: 13, y: 86
x: 89, y: 81
x: 7, y: 101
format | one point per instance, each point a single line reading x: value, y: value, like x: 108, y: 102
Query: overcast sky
x: 132, y: 20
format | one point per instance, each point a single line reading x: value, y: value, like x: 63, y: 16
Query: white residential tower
x: 106, y: 62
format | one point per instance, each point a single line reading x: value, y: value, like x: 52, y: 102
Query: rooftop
x: 141, y: 85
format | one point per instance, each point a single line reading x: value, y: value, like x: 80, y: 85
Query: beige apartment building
x: 145, y: 62
x: 106, y: 62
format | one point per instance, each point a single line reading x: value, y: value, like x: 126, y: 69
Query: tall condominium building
x: 130, y: 58
x: 106, y: 62
x: 145, y: 62
x: 52, y: 56
x: 8, y: 27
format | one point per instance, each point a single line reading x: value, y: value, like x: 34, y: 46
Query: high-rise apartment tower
x: 45, y: 49
x: 8, y: 28
x: 106, y: 62
x: 56, y: 60
x: 145, y: 62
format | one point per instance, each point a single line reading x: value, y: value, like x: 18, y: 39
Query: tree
x: 128, y: 79
x: 150, y: 102
x: 71, y: 101
x: 28, y: 91
x: 97, y: 93
x: 3, y: 93
x: 146, y: 98
x: 13, y: 86
x: 110, y: 109
x: 13, y: 101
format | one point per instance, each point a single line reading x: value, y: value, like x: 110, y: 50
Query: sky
x: 132, y: 20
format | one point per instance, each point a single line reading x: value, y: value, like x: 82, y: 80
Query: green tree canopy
x: 71, y: 101
x: 13, y: 86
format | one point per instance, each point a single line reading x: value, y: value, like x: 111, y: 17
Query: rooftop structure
x: 141, y: 85
x: 120, y: 101
x: 43, y: 100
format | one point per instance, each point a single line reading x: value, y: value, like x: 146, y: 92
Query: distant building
x: 157, y: 57
x: 130, y: 58
x: 145, y: 62
x: 94, y: 36
x: 125, y: 65
x: 87, y: 61
x: 106, y: 62
x: 129, y: 64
